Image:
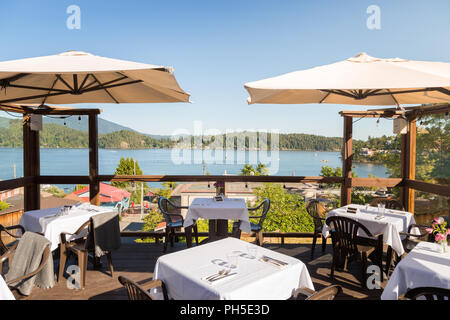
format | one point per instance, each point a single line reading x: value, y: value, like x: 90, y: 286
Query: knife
x: 279, y: 262
x: 222, y: 276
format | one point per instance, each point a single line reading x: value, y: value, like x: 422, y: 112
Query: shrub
x: 287, y: 210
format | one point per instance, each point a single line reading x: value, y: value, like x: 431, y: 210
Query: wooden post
x: 31, y: 165
x: 408, y: 164
x: 94, y: 185
x: 346, y: 189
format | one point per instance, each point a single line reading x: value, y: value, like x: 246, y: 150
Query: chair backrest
x: 167, y: 207
x: 389, y: 203
x: 429, y: 293
x: 328, y: 293
x: 317, y: 213
x: 137, y: 292
x: 125, y: 203
x: 344, y: 233
x: 5, y: 231
x: 265, y: 205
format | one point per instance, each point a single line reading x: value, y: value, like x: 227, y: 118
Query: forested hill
x: 60, y: 136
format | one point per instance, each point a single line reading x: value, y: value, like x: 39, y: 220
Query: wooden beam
x: 64, y: 180
x: 346, y: 189
x: 442, y: 190
x: 408, y: 165
x: 94, y: 185
x: 12, y: 184
x: 376, y: 182
x: 205, y: 178
x: 31, y: 165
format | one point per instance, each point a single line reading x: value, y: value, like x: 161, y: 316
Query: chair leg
x: 313, y: 245
x: 82, y: 264
x: 196, y: 234
x: 166, y: 240
x: 259, y: 238
x: 62, y: 261
x: 171, y: 237
x: 188, y: 232
x: 389, y: 257
x: 111, y: 268
x: 364, y: 270
x: 324, y: 243
x: 334, y: 263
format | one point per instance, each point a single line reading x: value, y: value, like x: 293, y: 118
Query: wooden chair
x: 174, y: 221
x: 256, y: 228
x: 9, y: 255
x: 7, y: 231
x: 79, y: 247
x: 347, y: 244
x: 328, y: 293
x: 141, y: 292
x: 429, y: 293
x: 318, y: 214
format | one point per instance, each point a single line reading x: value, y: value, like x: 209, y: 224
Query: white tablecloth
x: 424, y: 266
x: 394, y: 222
x: 229, y: 209
x: 5, y: 293
x: 183, y: 273
x: 52, y: 227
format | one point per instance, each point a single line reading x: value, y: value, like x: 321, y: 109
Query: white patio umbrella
x: 80, y: 77
x: 362, y: 80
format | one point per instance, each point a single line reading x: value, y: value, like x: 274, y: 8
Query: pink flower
x: 429, y: 230
x: 438, y: 220
x: 439, y: 237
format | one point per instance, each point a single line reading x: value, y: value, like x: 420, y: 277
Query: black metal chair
x: 348, y: 243
x: 389, y: 204
x: 318, y: 214
x: 429, y: 293
x: 409, y: 242
x: 174, y: 221
x: 256, y: 228
x: 141, y: 292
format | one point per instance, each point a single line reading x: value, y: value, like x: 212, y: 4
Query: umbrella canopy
x: 362, y: 80
x: 80, y: 77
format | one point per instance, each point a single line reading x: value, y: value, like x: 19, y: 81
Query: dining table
x: 218, y: 213
x: 389, y: 222
x: 5, y: 292
x: 424, y: 266
x: 52, y: 222
x: 206, y: 273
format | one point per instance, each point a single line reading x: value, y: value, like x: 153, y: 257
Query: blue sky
x: 217, y: 46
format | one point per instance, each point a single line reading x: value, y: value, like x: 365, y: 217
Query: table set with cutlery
x: 231, y: 269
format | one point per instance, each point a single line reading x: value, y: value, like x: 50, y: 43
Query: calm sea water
x: 159, y: 161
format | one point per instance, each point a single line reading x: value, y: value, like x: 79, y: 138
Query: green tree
x: 287, y: 210
x: 261, y: 170
x: 129, y: 166
x: 3, y: 205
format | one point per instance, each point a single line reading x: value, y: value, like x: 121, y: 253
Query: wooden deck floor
x: 137, y: 262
